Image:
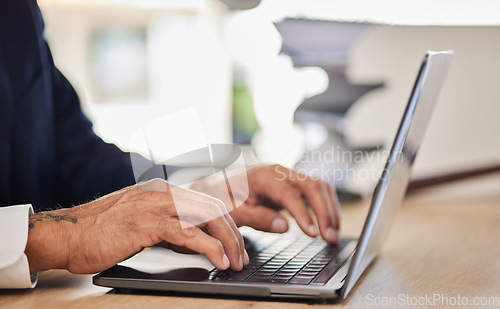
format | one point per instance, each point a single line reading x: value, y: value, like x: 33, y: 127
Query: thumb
x: 260, y: 218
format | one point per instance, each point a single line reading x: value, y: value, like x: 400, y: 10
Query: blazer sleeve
x: 87, y: 166
x: 14, y: 268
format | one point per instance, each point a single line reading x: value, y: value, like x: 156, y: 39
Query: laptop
x: 294, y: 265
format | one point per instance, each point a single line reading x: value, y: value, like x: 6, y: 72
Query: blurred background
x: 288, y: 77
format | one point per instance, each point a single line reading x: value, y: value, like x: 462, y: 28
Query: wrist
x: 48, y: 243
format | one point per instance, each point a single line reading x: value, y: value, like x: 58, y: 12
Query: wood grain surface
x: 445, y: 241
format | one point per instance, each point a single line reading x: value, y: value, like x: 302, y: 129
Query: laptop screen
x: 392, y: 185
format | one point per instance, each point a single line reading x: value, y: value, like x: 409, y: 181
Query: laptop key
x: 279, y: 280
x: 266, y: 273
x: 327, y: 273
x: 291, y: 268
x: 269, y: 268
x: 260, y: 260
x: 286, y: 273
x: 239, y: 275
x: 321, y: 263
x: 315, y: 268
x: 308, y: 273
x: 257, y: 278
x: 252, y: 267
x: 301, y: 280
x: 275, y: 263
x: 282, y: 276
x: 298, y: 262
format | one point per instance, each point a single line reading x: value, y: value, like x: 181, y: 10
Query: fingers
x: 195, y: 239
x: 237, y: 255
x: 260, y: 218
x: 241, y: 242
x: 335, y: 207
x: 328, y: 223
x: 221, y: 228
x: 324, y: 203
x: 209, y: 214
x: 290, y: 198
x: 288, y: 188
x: 320, y: 197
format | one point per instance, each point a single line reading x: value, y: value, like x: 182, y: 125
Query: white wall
x: 187, y: 64
x: 464, y: 129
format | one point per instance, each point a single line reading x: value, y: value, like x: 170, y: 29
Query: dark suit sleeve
x: 87, y: 166
x: 49, y: 153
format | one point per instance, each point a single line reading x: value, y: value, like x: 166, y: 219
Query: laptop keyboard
x: 287, y: 259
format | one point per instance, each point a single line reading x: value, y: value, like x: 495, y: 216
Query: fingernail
x: 245, y: 256
x: 312, y: 230
x: 279, y: 225
x: 330, y: 235
x: 225, y: 262
x: 240, y: 262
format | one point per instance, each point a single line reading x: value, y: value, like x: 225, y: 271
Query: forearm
x: 95, y: 236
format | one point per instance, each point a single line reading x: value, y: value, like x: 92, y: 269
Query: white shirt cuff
x: 14, y: 267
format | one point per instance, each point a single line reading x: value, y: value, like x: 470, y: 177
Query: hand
x: 97, y: 235
x: 272, y: 188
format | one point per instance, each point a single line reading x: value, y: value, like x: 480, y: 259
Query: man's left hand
x: 272, y: 188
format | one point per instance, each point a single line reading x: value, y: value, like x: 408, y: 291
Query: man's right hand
x: 95, y: 236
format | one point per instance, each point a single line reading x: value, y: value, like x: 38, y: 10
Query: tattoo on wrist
x: 56, y: 218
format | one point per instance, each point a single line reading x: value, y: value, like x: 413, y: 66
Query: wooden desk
x: 444, y: 241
